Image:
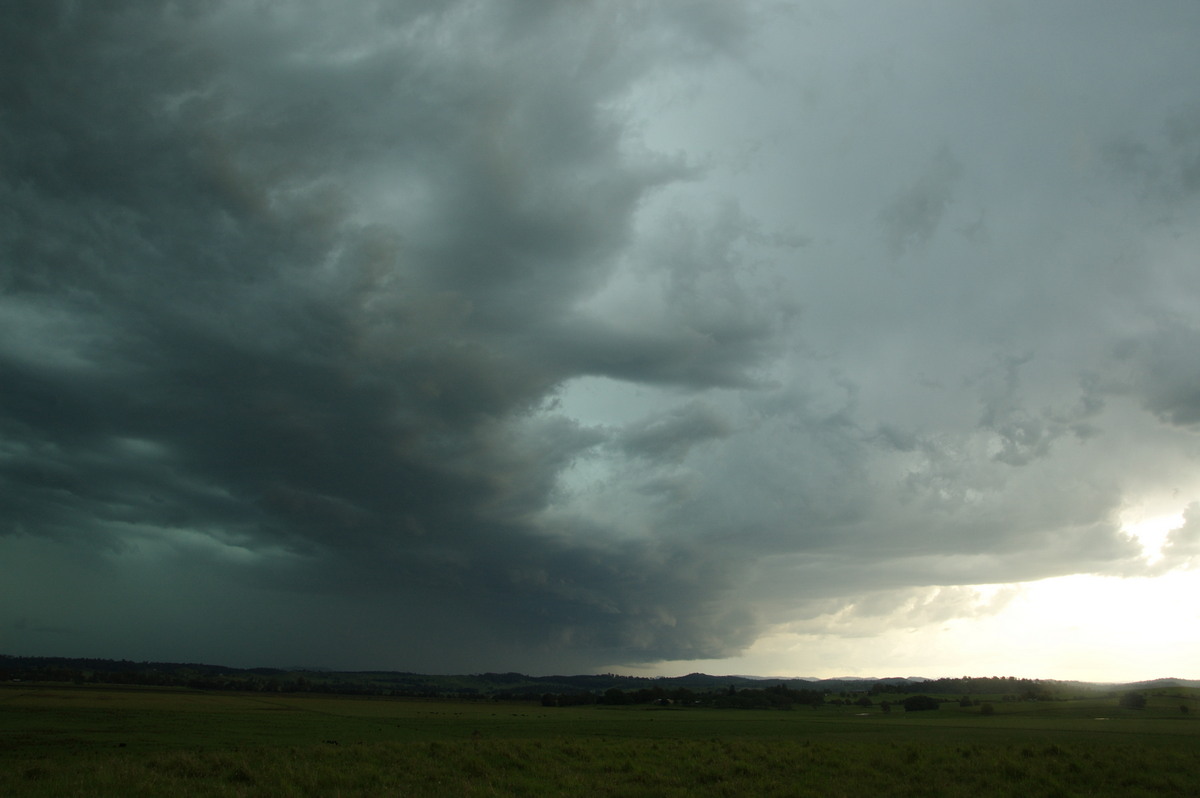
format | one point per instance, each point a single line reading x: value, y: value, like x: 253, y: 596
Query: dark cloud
x: 1167, y: 367
x: 298, y: 293
x: 476, y: 335
x: 1166, y: 165
x: 911, y: 219
x: 672, y: 435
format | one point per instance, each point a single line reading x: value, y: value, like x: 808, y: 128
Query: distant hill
x: 512, y: 685
x: 1156, y: 684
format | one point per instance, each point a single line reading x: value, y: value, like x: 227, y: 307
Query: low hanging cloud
x: 469, y: 336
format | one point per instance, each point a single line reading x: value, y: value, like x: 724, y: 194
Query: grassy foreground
x: 57, y: 741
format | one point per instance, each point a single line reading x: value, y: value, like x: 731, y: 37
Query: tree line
x: 774, y: 697
x: 695, y: 689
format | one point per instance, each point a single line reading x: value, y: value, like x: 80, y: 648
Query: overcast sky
x: 797, y: 337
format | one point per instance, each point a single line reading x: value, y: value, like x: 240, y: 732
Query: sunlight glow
x: 1081, y: 626
x: 1151, y: 533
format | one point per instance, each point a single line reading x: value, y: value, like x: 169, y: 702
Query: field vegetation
x: 58, y: 740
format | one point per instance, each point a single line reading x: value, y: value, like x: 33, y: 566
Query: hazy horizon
x: 764, y: 337
x: 625, y: 672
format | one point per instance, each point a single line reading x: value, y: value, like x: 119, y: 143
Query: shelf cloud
x: 549, y: 336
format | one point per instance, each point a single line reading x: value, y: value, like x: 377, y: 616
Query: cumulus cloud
x: 546, y: 336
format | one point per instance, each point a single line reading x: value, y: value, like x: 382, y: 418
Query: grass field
x: 85, y: 741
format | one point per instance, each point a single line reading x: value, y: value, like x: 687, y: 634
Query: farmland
x: 60, y: 740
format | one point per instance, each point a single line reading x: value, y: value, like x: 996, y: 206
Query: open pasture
x: 57, y: 741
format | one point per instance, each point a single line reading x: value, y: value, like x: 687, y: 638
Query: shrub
x: 1132, y: 700
x: 920, y: 703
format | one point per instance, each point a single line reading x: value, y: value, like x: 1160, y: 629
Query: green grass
x: 58, y: 741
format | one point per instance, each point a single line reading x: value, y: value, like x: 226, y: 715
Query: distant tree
x: 920, y: 703
x: 987, y: 709
x: 885, y: 706
x: 614, y: 696
x: 1183, y: 708
x: 1132, y: 700
x: 682, y: 695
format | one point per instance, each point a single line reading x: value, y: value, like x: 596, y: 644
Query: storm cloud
x: 546, y: 336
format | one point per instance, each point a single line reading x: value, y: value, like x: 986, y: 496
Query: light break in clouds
x: 806, y: 338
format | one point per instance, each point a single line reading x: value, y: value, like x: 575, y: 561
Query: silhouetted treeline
x: 174, y: 674
x: 774, y: 697
x: 694, y: 689
x: 506, y: 686
x: 1007, y: 687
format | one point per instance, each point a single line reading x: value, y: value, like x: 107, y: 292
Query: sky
x: 780, y: 338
